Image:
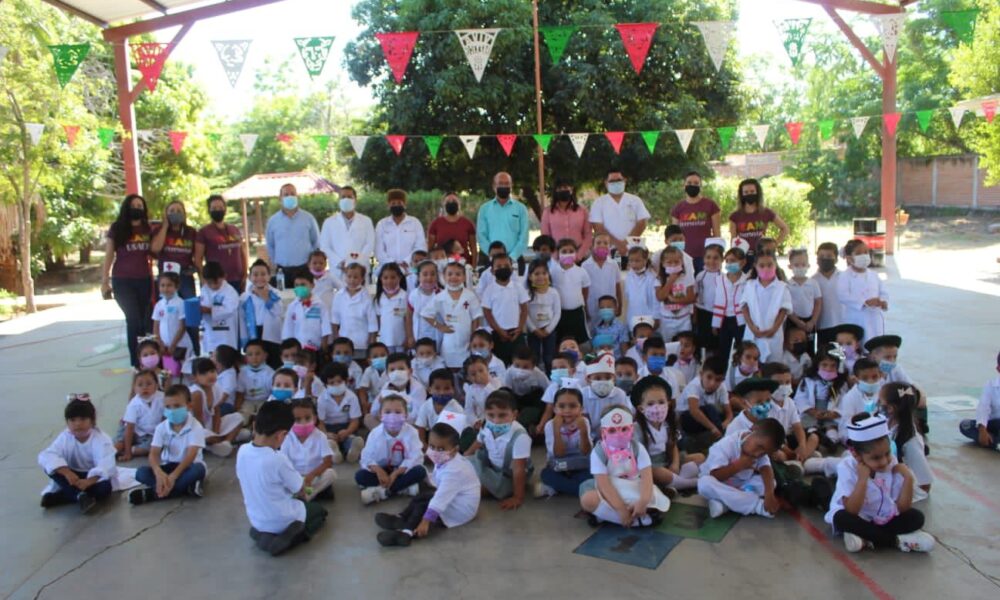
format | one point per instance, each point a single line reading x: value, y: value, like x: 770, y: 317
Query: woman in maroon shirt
x: 453, y: 226
x: 221, y: 242
x: 126, y: 272
x: 173, y: 245
x: 698, y: 218
x: 750, y: 221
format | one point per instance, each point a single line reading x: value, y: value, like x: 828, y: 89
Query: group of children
x: 735, y: 382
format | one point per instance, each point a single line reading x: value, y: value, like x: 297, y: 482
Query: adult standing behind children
x: 617, y: 213
x: 504, y: 219
x: 126, y: 272
x: 398, y: 235
x: 698, y: 217
x: 172, y: 244
x: 292, y: 234
x: 565, y: 218
x: 750, y: 221
x: 222, y: 243
x: 347, y: 236
x: 454, y: 226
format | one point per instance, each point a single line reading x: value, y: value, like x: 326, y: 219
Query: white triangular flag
x: 761, y: 132
x: 957, y: 112
x: 890, y: 27
x: 358, y: 142
x: 684, y: 137
x: 232, y: 55
x: 34, y: 131
x: 579, y: 140
x: 858, y: 123
x: 3, y: 52
x: 717, y: 35
x: 144, y: 135
x: 478, y: 45
x: 249, y: 140
x: 470, y: 142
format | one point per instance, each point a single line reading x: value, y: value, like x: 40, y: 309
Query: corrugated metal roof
x: 267, y: 185
x: 108, y: 12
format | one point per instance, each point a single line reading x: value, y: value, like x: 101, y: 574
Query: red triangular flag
x: 398, y: 47
x: 71, y: 131
x: 616, y: 138
x: 891, y: 120
x: 396, y: 141
x: 989, y: 110
x: 637, y: 38
x: 507, y: 142
x: 794, y: 131
x: 149, y: 58
x: 177, y: 140
x: 285, y: 138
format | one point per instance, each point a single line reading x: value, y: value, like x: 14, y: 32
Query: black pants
x: 414, y: 511
x: 134, y: 296
x: 699, y: 264
x: 824, y: 337
x: 729, y: 333
x: 703, y: 331
x: 505, y: 350
x: 68, y: 493
x: 882, y: 536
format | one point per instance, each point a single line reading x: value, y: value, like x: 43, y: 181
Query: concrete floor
x: 197, y: 548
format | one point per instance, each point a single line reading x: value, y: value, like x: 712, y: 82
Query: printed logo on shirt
x: 313, y: 313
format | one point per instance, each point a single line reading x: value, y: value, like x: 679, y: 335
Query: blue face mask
x: 871, y: 407
x: 733, y: 268
x: 481, y: 352
x: 289, y: 202
x: 760, y: 411
x: 574, y: 355
x: 678, y: 245
x: 558, y: 375
x: 498, y: 429
x: 655, y: 364
x: 288, y: 364
x: 175, y: 416
x: 886, y: 366
x: 342, y: 358
x: 282, y: 394
x: 441, y: 399
x: 869, y: 389
x: 606, y: 314
x: 379, y: 363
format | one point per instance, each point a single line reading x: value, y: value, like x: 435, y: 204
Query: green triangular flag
x: 322, y: 141
x: 215, y: 138
x: 826, y: 128
x: 962, y: 22
x: 650, y: 138
x: 795, y: 31
x: 556, y: 38
x: 726, y: 136
x: 924, y: 118
x: 314, y: 52
x: 106, y: 135
x: 66, y: 59
x: 433, y: 144
x: 543, y: 139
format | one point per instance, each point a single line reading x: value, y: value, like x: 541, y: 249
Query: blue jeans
x: 188, y: 290
x: 68, y: 493
x: 544, y: 348
x: 134, y: 297
x: 970, y: 429
x: 565, y: 482
x: 194, y: 472
x: 366, y: 478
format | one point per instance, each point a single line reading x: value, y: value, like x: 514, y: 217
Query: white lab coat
x: 339, y: 242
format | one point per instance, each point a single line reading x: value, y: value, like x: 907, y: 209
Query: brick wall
x: 944, y: 181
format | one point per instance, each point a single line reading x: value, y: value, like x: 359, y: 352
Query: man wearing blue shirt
x: 503, y: 219
x: 292, y: 234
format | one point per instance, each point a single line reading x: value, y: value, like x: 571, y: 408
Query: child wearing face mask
x: 745, y: 363
x: 898, y: 403
x: 704, y: 407
x: 676, y: 293
x: 307, y: 448
x: 505, y: 308
x: 640, y: 286
x: 150, y: 360
x: 395, y: 325
x: 307, y: 319
x: 608, y: 329
x: 544, y: 312
x: 413, y: 276
x: 727, y: 317
x: 643, y: 327
x: 227, y: 364
x: 343, y: 353
x: 884, y: 350
x: 426, y: 360
x: 80, y: 461
x: 455, y: 500
x: 501, y: 454
x: 455, y: 312
x: 848, y: 337
x: 573, y: 284
x: 169, y: 328
x: 399, y: 382
x: 340, y: 415
x: 826, y: 276
x: 425, y: 286
x: 654, y: 356
x: 391, y: 462
x: 481, y: 345
x: 861, y: 293
x: 656, y: 431
x: 605, y: 278
x: 673, y: 237
x: 818, y: 398
x: 441, y: 390
x: 707, y: 283
x: 622, y: 489
x: 737, y: 474
x: 261, y: 313
x: 796, y: 354
x: 143, y: 413
x: 374, y: 377
x: 326, y: 282
x: 601, y: 392
x: 872, y: 503
x: 528, y: 383
x: 807, y: 297
x: 626, y: 374
x: 219, y: 305
x: 863, y: 397
x: 285, y: 386
x: 569, y: 346
x: 567, y: 445
x: 799, y: 445
x: 765, y: 305
x: 353, y: 312
x: 207, y: 400
x: 563, y: 370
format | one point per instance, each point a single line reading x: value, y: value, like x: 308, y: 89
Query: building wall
x: 945, y: 181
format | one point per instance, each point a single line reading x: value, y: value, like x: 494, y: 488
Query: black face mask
x: 397, y: 210
x: 827, y: 264
x: 136, y: 214
x: 800, y: 347
x: 750, y: 199
x: 503, y: 193
x: 451, y: 208
x: 692, y: 191
x: 562, y: 196
x: 217, y: 215
x: 544, y: 256
x: 503, y: 274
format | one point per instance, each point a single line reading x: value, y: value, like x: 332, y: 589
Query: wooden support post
x: 889, y: 156
x: 126, y: 113
x: 538, y: 110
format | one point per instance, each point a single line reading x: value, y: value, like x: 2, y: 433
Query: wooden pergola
x: 104, y: 13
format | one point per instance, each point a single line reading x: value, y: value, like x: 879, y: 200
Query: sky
x: 272, y: 29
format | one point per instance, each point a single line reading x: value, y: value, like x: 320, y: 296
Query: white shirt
x: 207, y: 409
x: 544, y: 310
x: 422, y: 370
x: 340, y: 238
x: 912, y: 455
x: 385, y: 450
x: 174, y: 445
x: 269, y: 481
x: 144, y: 413
x: 670, y: 310
x: 308, y: 324
x: 270, y: 320
x: 604, y: 281
x: 881, y: 493
x: 397, y: 242
x: 486, y: 278
x: 521, y: 381
x: 804, y: 296
x: 475, y: 399
x: 672, y: 375
x: 796, y: 365
x: 421, y: 328
x: 724, y: 452
x: 505, y: 302
x: 255, y: 385
x: 728, y: 299
x: 372, y: 381
x: 325, y: 286
x: 496, y: 367
x: 640, y: 296
x: 427, y: 414
x: 95, y: 456
x: 220, y: 326
x: 570, y: 283
x: 170, y: 313
x: 599, y: 467
x: 594, y: 406
x: 571, y: 440
x: 853, y: 290
x: 228, y: 385
x: 830, y: 313
x: 854, y: 402
x: 415, y: 396
x: 619, y: 218
x: 456, y: 499
x: 763, y: 304
x: 706, y: 287
x: 338, y: 412
x: 306, y: 455
x: 392, y: 318
x: 355, y: 315
x: 458, y: 314
x: 686, y: 261
x: 658, y: 439
x: 989, y: 403
x: 496, y: 447
x: 814, y: 392
x: 719, y: 398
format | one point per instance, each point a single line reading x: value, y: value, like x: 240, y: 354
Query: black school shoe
x: 86, y: 502
x: 141, y: 495
x: 820, y: 493
x: 393, y: 538
x: 388, y: 521
x: 280, y: 543
x: 52, y: 499
x: 326, y: 494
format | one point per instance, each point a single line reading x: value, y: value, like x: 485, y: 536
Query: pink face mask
x: 620, y: 439
x: 439, y: 457
x: 318, y: 274
x: 567, y: 260
x: 390, y: 290
x: 656, y: 413
x: 766, y: 273
x: 300, y: 371
x: 748, y: 369
x: 673, y: 269
x: 150, y: 361
x: 303, y: 429
x: 601, y: 253
x: 827, y: 374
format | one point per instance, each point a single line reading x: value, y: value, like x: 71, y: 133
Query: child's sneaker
x: 86, y: 502
x: 855, y: 543
x: 354, y: 452
x: 243, y: 436
x: 371, y: 495
x: 196, y: 489
x: 140, y: 496
x: 543, y: 491
x: 388, y: 521
x: 716, y: 509
x: 51, y: 499
x: 393, y: 538
x: 413, y: 490
x: 918, y: 541
x: 222, y: 449
x: 338, y: 456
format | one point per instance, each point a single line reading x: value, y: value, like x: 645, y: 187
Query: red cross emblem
x: 616, y: 418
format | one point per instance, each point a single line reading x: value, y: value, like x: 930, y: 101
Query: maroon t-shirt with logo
x: 224, y: 246
x: 178, y: 248
x: 695, y: 221
x: 444, y: 230
x: 132, y: 257
x: 752, y: 226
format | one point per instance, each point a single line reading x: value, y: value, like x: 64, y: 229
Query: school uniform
x: 853, y: 290
x: 457, y: 494
x: 570, y: 284
x: 228, y: 383
x: 173, y: 446
x: 656, y: 444
x: 307, y: 455
x: 804, y: 297
x: 325, y: 286
x: 255, y: 385
x: 742, y: 492
x: 391, y: 452
x: 855, y: 401
x: 688, y: 367
x: 911, y: 453
x: 227, y: 424
x: 169, y: 314
x: 640, y: 295
x: 831, y: 312
x: 566, y: 472
x: 459, y: 314
x: 355, y: 316
x: 987, y: 414
x: 354, y: 375
x: 269, y: 483
x: 486, y: 279
x: 727, y: 315
x: 262, y: 319
x: 391, y: 312
x: 816, y: 393
x: 427, y: 413
x: 675, y: 318
x: 763, y: 303
x: 94, y: 457
x: 337, y: 414
x: 220, y: 326
x: 797, y: 366
x: 414, y: 393
x: 544, y: 312
x: 496, y: 367
x: 144, y: 414
x: 706, y: 284
x: 594, y: 406
x: 494, y: 461
x: 475, y: 399
x: 373, y: 381
x: 308, y: 321
x: 422, y: 369
x: 674, y: 378
x: 624, y: 476
x: 417, y: 300
x: 711, y: 405
x: 604, y: 281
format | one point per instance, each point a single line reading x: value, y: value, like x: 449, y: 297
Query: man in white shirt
x: 347, y: 236
x: 618, y: 214
x: 398, y: 235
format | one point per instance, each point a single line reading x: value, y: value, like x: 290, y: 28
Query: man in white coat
x: 347, y: 236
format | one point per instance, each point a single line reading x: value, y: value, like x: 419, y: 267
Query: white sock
x: 689, y: 470
x: 604, y: 512
x: 683, y: 483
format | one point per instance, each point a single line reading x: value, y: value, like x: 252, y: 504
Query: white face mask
x: 862, y: 261
x: 347, y: 205
x: 399, y: 377
x: 800, y: 271
x: 783, y: 392
x: 616, y: 188
x: 602, y: 387
x: 455, y: 288
x: 337, y: 390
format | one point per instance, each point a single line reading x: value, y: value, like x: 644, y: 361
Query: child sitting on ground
x: 455, y: 501
x: 426, y: 360
x: 848, y: 337
x: 340, y: 415
x: 481, y: 344
x: 622, y: 489
x: 253, y: 384
x: 656, y: 431
x: 601, y: 392
x: 985, y: 428
x: 391, y: 462
x: 207, y: 401
x: 400, y: 382
x: 501, y: 453
x: 818, y: 398
x: 898, y: 404
x: 272, y: 488
x: 884, y: 350
x: 626, y: 374
x: 642, y: 330
x: 872, y: 503
x: 343, y: 352
x: 143, y: 413
x: 704, y: 406
x: 80, y: 462
x: 309, y: 451
x: 442, y: 398
x: 528, y: 383
x: 563, y: 369
x: 567, y: 444
x: 737, y: 474
x: 863, y: 397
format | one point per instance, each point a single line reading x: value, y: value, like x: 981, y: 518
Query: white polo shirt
x: 505, y: 302
x: 255, y: 385
x: 269, y: 481
x: 804, y: 296
x: 305, y: 455
x: 831, y: 313
x: 603, y: 282
x: 395, y: 242
x: 169, y: 314
x: 392, y: 318
x: 145, y: 414
x: 174, y: 444
x: 719, y: 398
x: 496, y: 447
x: 355, y: 315
x: 333, y: 412
x: 619, y: 218
x: 571, y: 283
